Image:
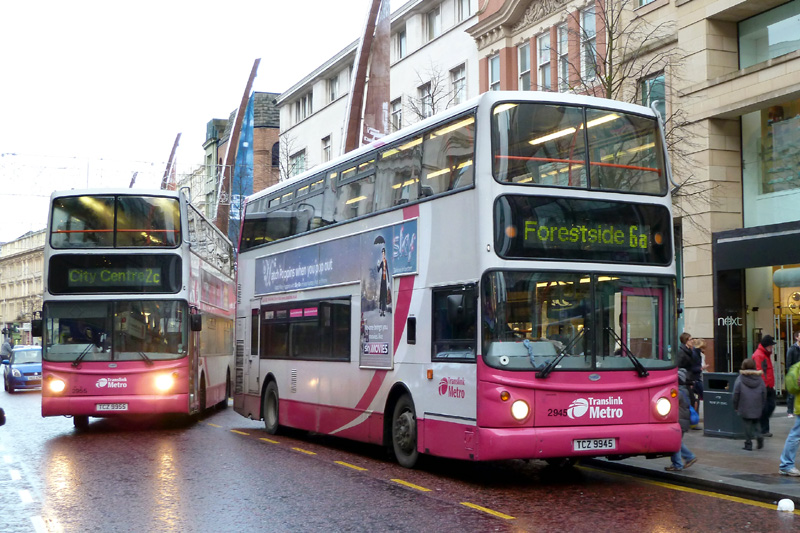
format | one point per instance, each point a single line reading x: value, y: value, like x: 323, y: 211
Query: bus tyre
x: 404, y: 432
x: 224, y: 403
x: 80, y: 421
x: 202, y: 396
x: 270, y: 408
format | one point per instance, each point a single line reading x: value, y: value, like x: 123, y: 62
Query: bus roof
x: 486, y: 99
x: 95, y: 191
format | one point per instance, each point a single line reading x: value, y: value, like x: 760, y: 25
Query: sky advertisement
x: 372, y: 258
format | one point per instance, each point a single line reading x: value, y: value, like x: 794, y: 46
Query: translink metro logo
x: 596, y: 407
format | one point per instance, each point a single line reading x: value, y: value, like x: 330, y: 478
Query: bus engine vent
x: 293, y: 387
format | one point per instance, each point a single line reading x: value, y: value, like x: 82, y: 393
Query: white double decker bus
x: 497, y: 281
x: 138, y: 307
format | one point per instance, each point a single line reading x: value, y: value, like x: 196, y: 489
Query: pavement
x: 723, y: 465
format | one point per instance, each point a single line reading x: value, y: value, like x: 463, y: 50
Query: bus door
x: 194, y: 375
x: 642, y: 321
x: 251, y: 366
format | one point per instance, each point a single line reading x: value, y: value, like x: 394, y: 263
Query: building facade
x: 725, y: 75
x: 21, y: 285
x: 433, y: 66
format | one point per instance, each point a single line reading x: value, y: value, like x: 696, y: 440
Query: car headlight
x: 164, y: 382
x: 520, y: 410
x: 663, y: 406
x: 56, y: 385
x: 16, y: 373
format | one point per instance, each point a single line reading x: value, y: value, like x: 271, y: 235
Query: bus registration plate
x: 594, y: 444
x: 112, y: 406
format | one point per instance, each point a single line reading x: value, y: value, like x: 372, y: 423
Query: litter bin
x: 720, y: 419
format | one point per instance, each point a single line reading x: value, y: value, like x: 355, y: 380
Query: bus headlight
x: 520, y: 410
x: 56, y: 385
x: 663, y: 406
x: 164, y: 382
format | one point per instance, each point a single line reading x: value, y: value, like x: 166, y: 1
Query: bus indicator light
x: 505, y: 396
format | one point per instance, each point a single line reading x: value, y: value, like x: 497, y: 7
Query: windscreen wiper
x: 146, y: 359
x: 640, y: 369
x: 543, y: 373
x: 77, y: 361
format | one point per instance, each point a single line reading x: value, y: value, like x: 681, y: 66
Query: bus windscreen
x: 531, y: 227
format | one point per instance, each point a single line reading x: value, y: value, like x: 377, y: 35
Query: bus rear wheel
x: 404, y: 432
x: 270, y: 408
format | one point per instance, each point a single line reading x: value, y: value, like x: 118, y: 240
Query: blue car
x: 24, y: 370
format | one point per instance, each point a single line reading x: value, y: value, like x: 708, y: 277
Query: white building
x: 434, y: 66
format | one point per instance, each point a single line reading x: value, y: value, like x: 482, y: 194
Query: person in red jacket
x: 763, y: 359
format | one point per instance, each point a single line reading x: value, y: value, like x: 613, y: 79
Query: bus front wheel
x: 80, y: 421
x: 270, y: 408
x: 404, y: 432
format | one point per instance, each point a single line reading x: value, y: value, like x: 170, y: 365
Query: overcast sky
x: 93, y: 91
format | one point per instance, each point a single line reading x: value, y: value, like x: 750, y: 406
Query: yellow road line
x: 301, y: 450
x: 690, y: 490
x: 489, y: 511
x: 411, y: 485
x: 270, y: 441
x: 213, y: 425
x: 348, y: 465
x: 239, y: 432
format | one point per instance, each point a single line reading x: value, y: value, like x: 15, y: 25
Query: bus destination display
x: 529, y: 227
x: 114, y: 277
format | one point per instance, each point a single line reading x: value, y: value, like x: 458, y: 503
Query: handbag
x: 694, y: 418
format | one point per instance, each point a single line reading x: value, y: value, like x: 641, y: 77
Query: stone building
x: 21, y: 285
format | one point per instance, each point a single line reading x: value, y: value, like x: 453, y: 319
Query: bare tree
x: 614, y: 64
x: 434, y: 94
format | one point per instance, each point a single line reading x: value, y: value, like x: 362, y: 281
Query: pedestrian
x: 792, y: 357
x: 749, y: 396
x: 684, y: 454
x: 787, y: 467
x: 5, y: 351
x: 763, y: 359
x: 686, y: 360
x: 698, y: 367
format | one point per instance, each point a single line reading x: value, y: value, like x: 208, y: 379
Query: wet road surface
x: 224, y: 473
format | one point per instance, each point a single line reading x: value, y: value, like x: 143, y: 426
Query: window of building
x: 543, y: 60
x: 652, y: 90
x: 524, y: 62
x: 333, y: 88
x: 458, y: 79
x: 397, y: 114
x: 426, y: 100
x: 302, y: 107
x: 494, y: 73
x: 588, y: 44
x: 326, y: 149
x: 563, y: 58
x: 297, y: 163
x: 400, y: 44
x: 769, y: 35
x: 276, y: 155
x: 463, y: 10
x: 433, y: 21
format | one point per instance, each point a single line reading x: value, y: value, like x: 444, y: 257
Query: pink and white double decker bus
x: 138, y: 307
x: 494, y: 282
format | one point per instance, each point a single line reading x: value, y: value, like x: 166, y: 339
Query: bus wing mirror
x: 455, y: 308
x: 36, y: 327
x: 196, y: 322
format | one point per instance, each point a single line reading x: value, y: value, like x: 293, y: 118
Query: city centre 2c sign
x: 116, y: 277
